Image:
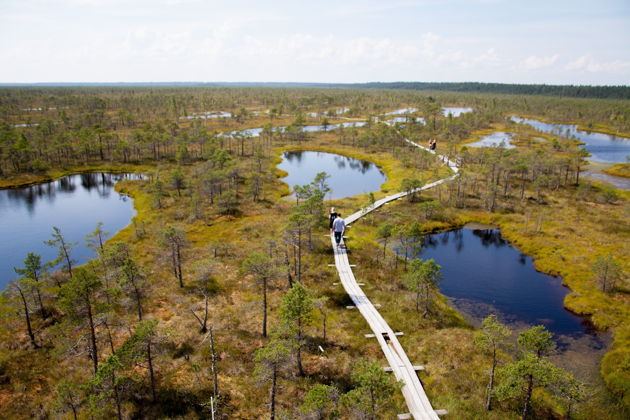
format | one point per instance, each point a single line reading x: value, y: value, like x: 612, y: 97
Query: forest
x: 217, y: 300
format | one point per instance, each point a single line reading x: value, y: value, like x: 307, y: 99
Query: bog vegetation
x: 218, y: 300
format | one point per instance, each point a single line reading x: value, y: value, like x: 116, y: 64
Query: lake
x: 255, y: 132
x: 74, y: 203
x: 207, y: 115
x: 455, y: 111
x: 602, y: 147
x: 402, y: 111
x: 349, y: 176
x: 484, y: 274
x: 496, y: 139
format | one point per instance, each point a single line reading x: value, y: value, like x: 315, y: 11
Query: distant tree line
x: 600, y: 92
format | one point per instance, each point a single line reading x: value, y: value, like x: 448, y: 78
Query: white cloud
x: 586, y: 63
x: 106, y: 3
x: 578, y: 64
x: 534, y: 62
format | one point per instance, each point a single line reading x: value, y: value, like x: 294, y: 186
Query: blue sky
x: 518, y: 41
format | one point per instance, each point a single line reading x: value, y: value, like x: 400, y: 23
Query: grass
x: 455, y: 374
x: 619, y: 169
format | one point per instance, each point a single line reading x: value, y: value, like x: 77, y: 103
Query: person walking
x: 433, y: 144
x: 332, y: 217
x: 339, y: 227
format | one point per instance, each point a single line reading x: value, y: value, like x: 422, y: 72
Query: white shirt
x: 339, y: 225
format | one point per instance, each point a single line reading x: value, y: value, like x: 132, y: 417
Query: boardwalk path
x: 417, y: 401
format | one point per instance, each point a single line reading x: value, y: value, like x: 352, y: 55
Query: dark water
x: 484, y: 274
x: 73, y: 203
x: 255, y: 132
x: 602, y: 147
x: 349, y: 176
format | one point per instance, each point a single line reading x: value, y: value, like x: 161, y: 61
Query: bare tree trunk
x: 109, y: 336
x: 28, y: 319
x: 528, y: 397
x: 299, y: 350
x: 272, y: 396
x: 94, y: 349
x: 151, y: 373
x: 286, y: 262
x: 179, y: 267
x: 116, y: 397
x: 264, y: 326
x: 491, y: 384
x: 215, y: 375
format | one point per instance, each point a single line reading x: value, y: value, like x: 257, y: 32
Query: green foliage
x: 321, y: 401
x: 270, y: 358
x: 259, y: 265
x: 33, y: 268
x: 178, y: 181
x: 70, y: 396
x: 492, y: 334
x: 422, y: 278
x: 296, y: 312
x: 158, y: 194
x: 514, y: 377
x: 607, y: 271
x: 95, y: 239
x: 64, y: 249
x: 373, y: 390
x: 384, y: 232
x: 76, y: 296
x: 537, y: 340
x: 409, y: 185
x: 518, y: 380
x: 568, y: 388
x: 296, y: 308
x: 490, y: 338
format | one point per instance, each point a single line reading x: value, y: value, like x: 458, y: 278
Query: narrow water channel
x: 602, y: 147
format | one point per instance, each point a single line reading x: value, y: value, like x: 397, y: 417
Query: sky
x: 341, y: 41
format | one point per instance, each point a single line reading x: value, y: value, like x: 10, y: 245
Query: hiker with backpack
x: 338, y: 227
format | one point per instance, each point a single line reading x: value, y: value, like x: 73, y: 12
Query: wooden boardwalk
x: 417, y: 400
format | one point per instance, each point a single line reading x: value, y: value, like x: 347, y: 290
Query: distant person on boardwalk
x: 333, y: 216
x: 432, y: 144
x: 339, y: 227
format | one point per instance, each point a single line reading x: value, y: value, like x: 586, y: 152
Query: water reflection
x: 73, y: 203
x: 602, y: 147
x: 255, y: 132
x: 496, y: 139
x: 348, y: 176
x: 484, y: 274
x: 482, y: 266
x: 28, y: 197
x: 490, y: 237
